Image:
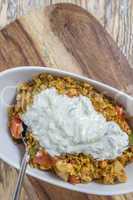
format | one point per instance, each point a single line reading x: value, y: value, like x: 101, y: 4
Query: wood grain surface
x: 67, y: 37
x: 116, y: 16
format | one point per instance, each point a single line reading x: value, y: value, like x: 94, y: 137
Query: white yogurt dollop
x: 71, y: 125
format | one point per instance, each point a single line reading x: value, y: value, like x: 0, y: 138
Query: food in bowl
x: 72, y: 129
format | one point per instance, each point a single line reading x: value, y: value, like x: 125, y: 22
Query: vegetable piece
x: 32, y: 151
x: 131, y: 139
x: 74, y: 179
x: 43, y: 159
x: 120, y: 111
x: 16, y: 127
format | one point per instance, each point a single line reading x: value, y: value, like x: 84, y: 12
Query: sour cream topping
x: 72, y: 125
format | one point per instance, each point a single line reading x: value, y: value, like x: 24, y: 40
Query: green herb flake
x: 32, y: 151
x: 131, y: 139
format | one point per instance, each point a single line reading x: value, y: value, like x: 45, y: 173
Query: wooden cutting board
x: 67, y: 37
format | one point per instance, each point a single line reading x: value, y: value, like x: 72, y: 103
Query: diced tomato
x: 43, y: 159
x: 120, y: 111
x: 73, y: 179
x: 16, y: 127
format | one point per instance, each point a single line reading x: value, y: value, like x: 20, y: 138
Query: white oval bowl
x: 12, y: 153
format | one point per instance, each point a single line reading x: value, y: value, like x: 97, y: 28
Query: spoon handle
x: 22, y: 171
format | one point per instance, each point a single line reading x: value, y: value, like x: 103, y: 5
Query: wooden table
x: 116, y: 17
x: 38, y: 45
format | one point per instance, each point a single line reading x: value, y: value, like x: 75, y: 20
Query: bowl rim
x: 64, y: 72
x: 83, y: 78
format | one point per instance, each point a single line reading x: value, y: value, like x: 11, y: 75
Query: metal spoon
x: 16, y: 195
